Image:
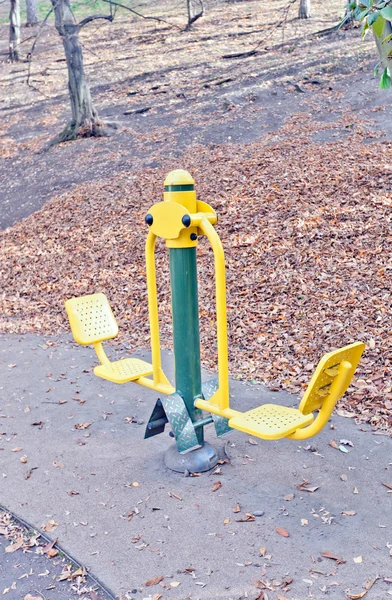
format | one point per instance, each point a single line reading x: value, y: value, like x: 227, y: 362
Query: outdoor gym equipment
x: 181, y: 219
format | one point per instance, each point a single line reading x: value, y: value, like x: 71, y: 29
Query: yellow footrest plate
x: 124, y: 370
x: 270, y: 421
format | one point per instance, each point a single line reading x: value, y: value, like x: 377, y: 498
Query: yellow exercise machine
x: 181, y: 219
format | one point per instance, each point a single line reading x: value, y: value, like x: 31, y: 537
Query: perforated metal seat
x: 270, y: 421
x: 91, y: 319
x: 122, y: 371
x: 92, y: 322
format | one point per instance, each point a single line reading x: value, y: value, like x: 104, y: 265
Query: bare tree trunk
x: 14, y: 30
x: 84, y: 121
x: 193, y: 17
x: 189, y: 10
x: 304, y: 9
x: 32, y: 15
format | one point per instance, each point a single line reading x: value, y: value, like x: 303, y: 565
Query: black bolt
x: 186, y: 220
x: 149, y: 219
x: 193, y: 237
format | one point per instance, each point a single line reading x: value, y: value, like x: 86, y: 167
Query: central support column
x: 186, y: 338
x: 180, y: 190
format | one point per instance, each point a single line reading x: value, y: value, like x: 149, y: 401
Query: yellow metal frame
x: 160, y: 381
x: 219, y: 402
x: 180, y: 219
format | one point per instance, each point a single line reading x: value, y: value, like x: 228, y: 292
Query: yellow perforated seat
x: 122, y: 371
x: 273, y: 422
x: 270, y: 421
x: 91, y: 319
x: 92, y: 322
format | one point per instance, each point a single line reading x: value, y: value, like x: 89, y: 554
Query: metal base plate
x: 197, y: 461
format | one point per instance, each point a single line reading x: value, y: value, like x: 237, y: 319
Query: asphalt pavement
x: 292, y: 520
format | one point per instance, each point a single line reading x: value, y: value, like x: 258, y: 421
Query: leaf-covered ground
x: 307, y: 230
x: 30, y: 561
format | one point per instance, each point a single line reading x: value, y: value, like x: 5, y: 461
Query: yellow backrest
x: 91, y: 319
x: 327, y: 371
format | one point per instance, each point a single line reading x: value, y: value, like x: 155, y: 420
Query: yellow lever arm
x: 221, y: 397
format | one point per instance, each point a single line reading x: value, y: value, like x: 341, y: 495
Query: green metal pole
x: 186, y: 338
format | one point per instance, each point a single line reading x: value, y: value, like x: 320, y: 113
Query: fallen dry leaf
x: 327, y: 554
x: 49, y: 546
x: 369, y: 583
x: 282, y: 531
x: 80, y: 572
x: 216, y: 486
x: 367, y: 586
x: 237, y: 508
x: 289, y: 497
x: 304, y: 487
x: 50, y: 526
x: 154, y: 580
x: 356, y: 596
x: 173, y: 495
x: 14, y: 547
x: 82, y: 425
x: 247, y: 519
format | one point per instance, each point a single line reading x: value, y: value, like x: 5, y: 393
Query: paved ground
x: 121, y: 513
x: 24, y: 573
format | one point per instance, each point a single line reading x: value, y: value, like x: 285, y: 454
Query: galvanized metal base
x: 197, y: 461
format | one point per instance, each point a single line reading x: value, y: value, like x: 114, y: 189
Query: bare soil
x: 191, y: 94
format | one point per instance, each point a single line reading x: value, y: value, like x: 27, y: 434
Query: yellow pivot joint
x: 178, y: 218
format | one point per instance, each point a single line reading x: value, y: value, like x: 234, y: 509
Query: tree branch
x: 30, y: 54
x: 93, y: 18
x: 140, y: 14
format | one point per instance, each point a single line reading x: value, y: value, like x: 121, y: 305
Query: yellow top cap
x: 180, y: 190
x: 178, y: 177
